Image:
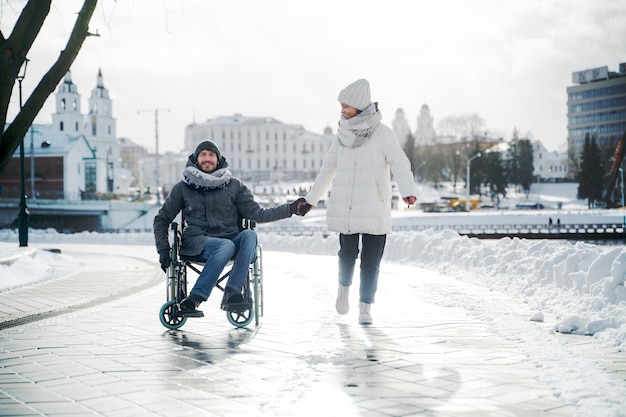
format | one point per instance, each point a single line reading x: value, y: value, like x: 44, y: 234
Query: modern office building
x: 596, y: 105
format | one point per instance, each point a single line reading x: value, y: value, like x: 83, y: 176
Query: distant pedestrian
x: 549, y: 223
x: 358, y: 165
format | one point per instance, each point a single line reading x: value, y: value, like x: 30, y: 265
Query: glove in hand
x: 294, y: 207
x: 303, y: 207
x: 164, y: 259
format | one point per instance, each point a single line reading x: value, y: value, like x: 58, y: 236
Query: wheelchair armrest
x: 248, y: 224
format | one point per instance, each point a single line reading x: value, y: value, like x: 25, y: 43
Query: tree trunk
x: 15, y: 49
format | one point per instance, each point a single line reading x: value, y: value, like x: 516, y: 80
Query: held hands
x: 303, y: 208
x: 410, y: 200
x: 300, y: 207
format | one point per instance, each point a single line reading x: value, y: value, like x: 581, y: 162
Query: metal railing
x: 583, y: 231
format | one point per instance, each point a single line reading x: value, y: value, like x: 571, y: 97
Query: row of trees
x: 591, y: 175
x: 491, y: 174
x: 495, y: 171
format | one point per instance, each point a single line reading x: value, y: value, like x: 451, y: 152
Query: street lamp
x: 156, y: 156
x: 417, y: 170
x: 33, y: 194
x: 23, y: 213
x: 467, y: 180
x: 621, y: 173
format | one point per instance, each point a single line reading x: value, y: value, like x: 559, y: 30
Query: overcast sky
x: 507, y: 61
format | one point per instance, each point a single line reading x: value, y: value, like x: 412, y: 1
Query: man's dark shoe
x: 233, y: 300
x: 189, y: 307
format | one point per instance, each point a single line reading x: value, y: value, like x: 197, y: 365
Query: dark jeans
x: 373, y: 247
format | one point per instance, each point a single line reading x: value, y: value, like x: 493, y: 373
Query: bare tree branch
x: 16, y: 47
x: 11, y: 138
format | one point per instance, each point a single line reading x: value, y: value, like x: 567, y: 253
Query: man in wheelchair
x: 212, y: 202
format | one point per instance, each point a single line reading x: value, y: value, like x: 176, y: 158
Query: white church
x: 97, y: 126
x: 76, y: 156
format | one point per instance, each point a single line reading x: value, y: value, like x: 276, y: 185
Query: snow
x: 582, y: 285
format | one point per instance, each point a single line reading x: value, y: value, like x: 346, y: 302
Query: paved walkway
x: 102, y: 351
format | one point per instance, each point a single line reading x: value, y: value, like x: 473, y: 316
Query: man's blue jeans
x: 373, y: 247
x: 216, y: 254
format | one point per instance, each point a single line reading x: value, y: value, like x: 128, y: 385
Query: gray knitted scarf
x: 200, y: 180
x: 355, y: 131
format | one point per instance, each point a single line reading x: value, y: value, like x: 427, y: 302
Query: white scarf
x: 355, y: 131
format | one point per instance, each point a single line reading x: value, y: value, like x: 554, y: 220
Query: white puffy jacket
x: 360, y: 198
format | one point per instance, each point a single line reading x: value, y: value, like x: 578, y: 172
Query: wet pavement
x: 92, y: 344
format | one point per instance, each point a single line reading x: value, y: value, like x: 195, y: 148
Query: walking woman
x: 358, y: 165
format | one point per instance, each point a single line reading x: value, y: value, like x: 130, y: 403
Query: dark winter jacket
x: 209, y: 212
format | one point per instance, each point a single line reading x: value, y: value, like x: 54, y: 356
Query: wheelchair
x: 251, y: 309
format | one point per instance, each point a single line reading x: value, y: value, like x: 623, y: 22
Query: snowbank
x: 580, y: 283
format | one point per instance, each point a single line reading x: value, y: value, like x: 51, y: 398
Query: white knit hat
x: 357, y: 94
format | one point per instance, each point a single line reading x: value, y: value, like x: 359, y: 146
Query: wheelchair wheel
x: 240, y: 318
x: 169, y: 316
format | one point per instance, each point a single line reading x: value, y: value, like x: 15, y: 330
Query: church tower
x: 100, y: 121
x: 401, y: 127
x: 68, y: 118
x: 425, y: 133
x: 101, y: 133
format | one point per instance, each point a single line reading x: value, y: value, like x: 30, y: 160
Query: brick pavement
x: 423, y: 356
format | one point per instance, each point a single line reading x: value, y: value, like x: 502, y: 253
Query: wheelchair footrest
x: 191, y: 314
x: 237, y: 307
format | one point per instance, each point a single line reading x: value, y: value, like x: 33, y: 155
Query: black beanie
x: 207, y: 145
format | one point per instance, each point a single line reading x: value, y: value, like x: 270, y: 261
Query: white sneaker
x: 341, y: 304
x: 364, y: 313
